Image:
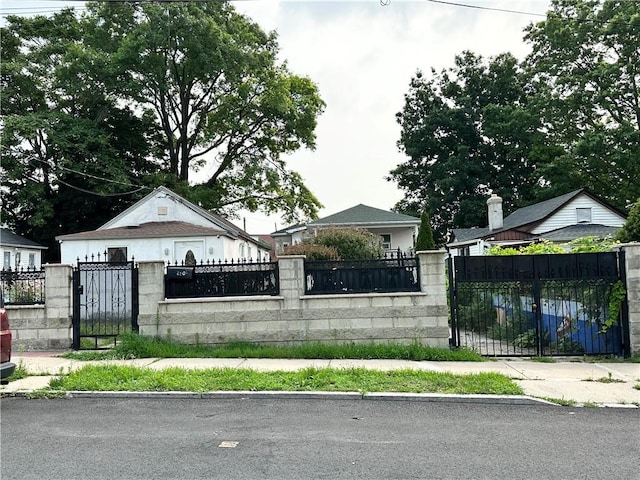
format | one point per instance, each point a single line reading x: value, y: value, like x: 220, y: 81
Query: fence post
x: 432, y: 274
x: 292, y: 280
x: 150, y: 293
x: 632, y: 270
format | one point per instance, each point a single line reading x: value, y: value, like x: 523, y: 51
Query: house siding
x: 600, y: 215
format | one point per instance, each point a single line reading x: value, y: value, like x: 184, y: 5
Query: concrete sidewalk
x: 566, y: 380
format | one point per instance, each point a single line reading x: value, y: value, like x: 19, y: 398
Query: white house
x: 164, y: 226
x: 559, y: 220
x: 18, y: 252
x: 398, y: 231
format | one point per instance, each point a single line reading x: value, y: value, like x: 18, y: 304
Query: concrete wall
x: 293, y: 317
x: 49, y: 326
x: 290, y: 317
x: 632, y: 267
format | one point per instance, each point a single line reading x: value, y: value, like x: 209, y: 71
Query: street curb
x: 281, y: 395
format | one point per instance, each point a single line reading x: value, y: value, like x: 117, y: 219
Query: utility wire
x: 491, y: 9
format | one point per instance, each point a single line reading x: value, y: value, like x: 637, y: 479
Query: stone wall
x: 49, y: 326
x: 632, y: 270
x: 293, y: 317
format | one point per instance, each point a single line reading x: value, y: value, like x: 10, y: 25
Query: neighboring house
x: 397, y: 231
x: 18, y: 252
x: 559, y: 220
x: 164, y: 226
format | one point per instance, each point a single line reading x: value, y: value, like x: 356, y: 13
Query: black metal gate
x: 539, y: 305
x: 105, y: 303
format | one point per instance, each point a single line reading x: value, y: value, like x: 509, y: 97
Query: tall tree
x: 70, y: 155
x: 223, y: 105
x: 467, y: 130
x: 425, y: 239
x: 98, y: 106
x: 586, y: 61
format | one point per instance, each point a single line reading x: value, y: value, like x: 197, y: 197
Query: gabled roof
x: 530, y: 215
x: 10, y: 239
x: 220, y: 225
x: 580, y: 230
x: 538, y: 211
x: 145, y: 230
x: 362, y: 215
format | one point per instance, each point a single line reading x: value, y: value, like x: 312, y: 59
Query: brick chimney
x: 494, y: 206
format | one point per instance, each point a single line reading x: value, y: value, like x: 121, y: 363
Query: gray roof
x: 365, y: 216
x: 10, y: 239
x: 532, y: 214
x: 538, y: 211
x: 581, y: 230
x: 146, y: 230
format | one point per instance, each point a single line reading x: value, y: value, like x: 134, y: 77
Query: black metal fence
x: 105, y: 302
x: 537, y: 304
x: 397, y: 273
x: 23, y: 286
x: 235, y: 278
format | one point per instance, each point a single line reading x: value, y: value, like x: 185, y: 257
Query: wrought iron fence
x: 24, y: 286
x: 394, y: 273
x: 211, y: 279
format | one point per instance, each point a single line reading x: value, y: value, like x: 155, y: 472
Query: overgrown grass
x: 135, y: 346
x: 128, y: 378
x: 19, y: 373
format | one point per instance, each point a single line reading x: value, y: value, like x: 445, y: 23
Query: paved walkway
x: 564, y: 380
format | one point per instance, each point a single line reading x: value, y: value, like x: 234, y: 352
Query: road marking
x: 228, y: 445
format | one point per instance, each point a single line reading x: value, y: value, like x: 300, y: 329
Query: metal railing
x: 235, y: 278
x: 397, y: 273
x: 23, y: 286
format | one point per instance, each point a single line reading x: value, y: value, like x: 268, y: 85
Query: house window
x: 583, y: 215
x: 7, y: 261
x: 117, y: 254
x: 32, y: 259
x: 386, y: 241
x: 17, y: 259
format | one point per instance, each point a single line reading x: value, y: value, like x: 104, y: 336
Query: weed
x: 608, y: 379
x: 132, y: 345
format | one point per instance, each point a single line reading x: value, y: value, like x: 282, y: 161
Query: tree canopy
x: 566, y: 117
x: 127, y: 96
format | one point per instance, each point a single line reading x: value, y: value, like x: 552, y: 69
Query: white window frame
x: 386, y: 245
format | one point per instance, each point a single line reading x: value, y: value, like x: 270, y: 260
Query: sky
x: 362, y: 55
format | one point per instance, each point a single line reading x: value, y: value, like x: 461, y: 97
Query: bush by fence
x: 24, y: 286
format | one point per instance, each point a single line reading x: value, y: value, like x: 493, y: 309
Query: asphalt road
x: 310, y: 439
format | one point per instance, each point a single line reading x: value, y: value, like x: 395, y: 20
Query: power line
x: 491, y: 9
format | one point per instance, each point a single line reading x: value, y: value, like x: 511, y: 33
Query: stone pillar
x: 433, y: 278
x: 632, y: 269
x: 150, y: 292
x: 292, y: 280
x: 59, y: 292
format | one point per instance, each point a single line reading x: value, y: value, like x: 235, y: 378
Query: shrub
x: 350, y: 243
x: 313, y: 252
x: 630, y: 231
x: 425, y: 234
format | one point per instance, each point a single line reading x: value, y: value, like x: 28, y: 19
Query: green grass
x: 19, y: 373
x: 135, y: 346
x: 128, y: 378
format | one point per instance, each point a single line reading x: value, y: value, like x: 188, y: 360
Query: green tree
x: 223, y: 105
x: 585, y: 68
x: 99, y: 106
x: 349, y: 243
x: 71, y: 156
x: 468, y: 130
x: 630, y: 231
x: 425, y: 239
